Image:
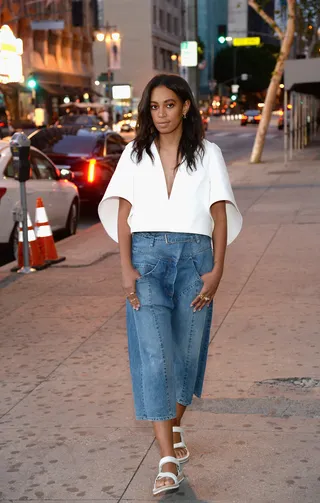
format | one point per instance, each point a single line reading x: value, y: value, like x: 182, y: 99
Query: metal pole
x: 295, y: 130
x: 285, y: 125
x: 23, y: 197
x: 291, y: 128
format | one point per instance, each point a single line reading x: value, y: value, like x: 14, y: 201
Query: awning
x: 52, y: 89
x: 303, y: 75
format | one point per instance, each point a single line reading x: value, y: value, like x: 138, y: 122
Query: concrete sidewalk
x: 67, y: 425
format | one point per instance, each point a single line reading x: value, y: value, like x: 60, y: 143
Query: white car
x: 60, y: 196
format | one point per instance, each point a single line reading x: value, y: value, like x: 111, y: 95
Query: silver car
x: 59, y: 194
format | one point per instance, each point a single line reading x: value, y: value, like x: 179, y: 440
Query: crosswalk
x: 213, y: 134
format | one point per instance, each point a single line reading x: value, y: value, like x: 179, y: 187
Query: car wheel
x: 243, y: 123
x: 72, y: 222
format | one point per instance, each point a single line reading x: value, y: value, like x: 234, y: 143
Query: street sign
x: 234, y: 88
x: 245, y: 41
x: 189, y: 53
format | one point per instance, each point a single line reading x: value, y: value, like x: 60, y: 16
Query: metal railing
x: 301, y: 123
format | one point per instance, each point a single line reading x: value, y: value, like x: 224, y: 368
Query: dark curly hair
x: 191, y: 142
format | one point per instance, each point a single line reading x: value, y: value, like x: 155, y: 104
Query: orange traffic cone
x: 44, y: 235
x: 36, y: 258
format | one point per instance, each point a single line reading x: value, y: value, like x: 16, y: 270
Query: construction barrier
x: 44, y: 235
x: 36, y: 257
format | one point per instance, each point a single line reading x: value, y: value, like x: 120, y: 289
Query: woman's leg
x: 180, y: 452
x: 164, y: 435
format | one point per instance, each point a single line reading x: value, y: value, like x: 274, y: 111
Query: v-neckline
x: 169, y: 196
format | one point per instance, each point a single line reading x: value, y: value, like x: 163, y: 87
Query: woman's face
x: 167, y: 109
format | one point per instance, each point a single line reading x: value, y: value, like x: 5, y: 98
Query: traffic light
x: 234, y: 97
x: 222, y: 33
x: 32, y: 83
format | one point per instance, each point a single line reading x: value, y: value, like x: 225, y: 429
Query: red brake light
x: 2, y: 192
x: 257, y: 117
x: 244, y: 117
x: 2, y: 124
x: 92, y: 170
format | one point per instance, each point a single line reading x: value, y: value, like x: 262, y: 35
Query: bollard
x: 20, y: 149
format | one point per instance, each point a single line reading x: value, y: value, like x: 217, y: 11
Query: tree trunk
x: 274, y: 85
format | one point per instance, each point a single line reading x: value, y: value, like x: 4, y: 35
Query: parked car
x: 250, y: 117
x: 4, y: 127
x: 281, y: 119
x: 92, y: 156
x: 60, y: 196
x: 82, y: 120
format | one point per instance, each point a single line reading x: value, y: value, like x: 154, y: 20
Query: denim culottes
x: 168, y: 342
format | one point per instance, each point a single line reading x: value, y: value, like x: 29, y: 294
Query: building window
x: 163, y: 59
x: 77, y: 13
x: 155, y: 57
x: 154, y: 14
x: 161, y: 16
x: 176, y: 26
x: 169, y: 23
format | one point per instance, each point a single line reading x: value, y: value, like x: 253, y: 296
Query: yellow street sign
x: 245, y: 41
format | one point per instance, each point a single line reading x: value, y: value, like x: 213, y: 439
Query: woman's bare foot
x: 167, y: 481
x: 181, y: 451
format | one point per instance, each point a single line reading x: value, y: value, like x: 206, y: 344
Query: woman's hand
x: 129, y: 278
x: 211, y: 282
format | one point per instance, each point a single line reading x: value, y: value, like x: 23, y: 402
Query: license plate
x: 62, y: 166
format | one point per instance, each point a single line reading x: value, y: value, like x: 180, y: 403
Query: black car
x: 91, y: 155
x: 81, y: 120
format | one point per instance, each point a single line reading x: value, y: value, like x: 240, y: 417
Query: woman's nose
x: 162, y: 112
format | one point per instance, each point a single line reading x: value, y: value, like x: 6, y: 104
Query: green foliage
x: 258, y: 62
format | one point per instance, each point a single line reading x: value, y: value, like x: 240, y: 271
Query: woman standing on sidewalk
x: 169, y: 197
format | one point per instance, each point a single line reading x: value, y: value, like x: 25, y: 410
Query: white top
x: 188, y: 208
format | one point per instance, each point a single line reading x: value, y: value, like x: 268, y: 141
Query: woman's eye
x: 153, y: 107
x: 170, y: 105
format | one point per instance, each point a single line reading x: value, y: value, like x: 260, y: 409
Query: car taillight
x: 2, y: 124
x: 2, y: 192
x: 244, y: 117
x: 257, y: 117
x: 91, y: 171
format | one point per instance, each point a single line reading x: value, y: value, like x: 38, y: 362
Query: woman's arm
x: 212, y: 279
x: 129, y: 273
x: 219, y: 235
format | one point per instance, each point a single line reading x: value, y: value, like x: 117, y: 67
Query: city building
x: 150, y: 35
x: 57, y: 39
x: 243, y: 21
x: 212, y: 22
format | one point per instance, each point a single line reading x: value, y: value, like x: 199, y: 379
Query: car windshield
x: 80, y: 120
x: 252, y: 112
x: 80, y: 145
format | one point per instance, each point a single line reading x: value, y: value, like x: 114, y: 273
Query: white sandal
x: 181, y: 445
x: 177, y: 479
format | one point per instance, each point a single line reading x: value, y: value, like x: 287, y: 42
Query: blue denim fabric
x: 168, y: 342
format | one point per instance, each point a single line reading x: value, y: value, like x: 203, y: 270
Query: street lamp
x: 109, y: 33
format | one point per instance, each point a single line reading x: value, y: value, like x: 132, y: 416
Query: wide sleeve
x: 220, y: 190
x: 121, y: 185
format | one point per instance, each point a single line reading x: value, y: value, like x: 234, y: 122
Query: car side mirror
x: 66, y: 174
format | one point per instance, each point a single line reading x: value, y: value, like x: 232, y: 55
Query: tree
x: 286, y: 39
x: 257, y: 62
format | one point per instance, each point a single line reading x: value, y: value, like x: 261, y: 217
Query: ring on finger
x: 131, y: 294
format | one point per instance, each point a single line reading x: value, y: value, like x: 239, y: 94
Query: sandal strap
x: 179, y: 444
x: 164, y: 475
x: 177, y: 429
x: 168, y: 459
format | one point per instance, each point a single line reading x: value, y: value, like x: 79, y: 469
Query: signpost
x: 11, y: 50
x: 245, y: 41
x: 189, y: 53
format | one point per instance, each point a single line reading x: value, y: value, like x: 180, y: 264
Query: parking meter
x: 20, y: 149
